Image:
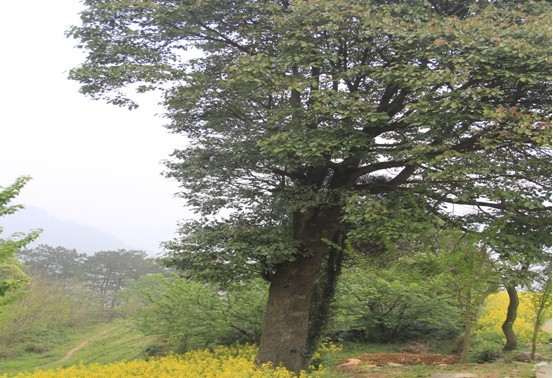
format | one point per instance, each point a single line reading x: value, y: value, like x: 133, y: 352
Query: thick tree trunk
x: 285, y: 332
x: 285, y: 335
x: 322, y: 298
x: 507, y: 327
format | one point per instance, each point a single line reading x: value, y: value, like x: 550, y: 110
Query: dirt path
x: 79, y: 347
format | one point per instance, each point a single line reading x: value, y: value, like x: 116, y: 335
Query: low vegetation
x: 105, y: 343
x: 238, y: 361
x: 233, y: 361
x: 157, y: 315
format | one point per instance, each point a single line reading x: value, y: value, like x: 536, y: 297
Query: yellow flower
x: 494, y: 312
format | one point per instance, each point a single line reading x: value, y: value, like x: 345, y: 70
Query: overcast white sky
x: 92, y: 163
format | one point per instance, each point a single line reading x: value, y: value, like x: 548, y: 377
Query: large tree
x: 295, y: 108
x: 107, y: 272
x: 58, y: 263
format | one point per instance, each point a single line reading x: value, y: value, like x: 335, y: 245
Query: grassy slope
x: 120, y: 343
x: 124, y: 343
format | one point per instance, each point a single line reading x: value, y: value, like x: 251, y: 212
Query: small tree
x: 542, y: 305
x: 471, y: 275
x: 11, y: 274
x: 520, y: 242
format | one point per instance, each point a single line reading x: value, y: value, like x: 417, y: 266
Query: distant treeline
x: 104, y: 272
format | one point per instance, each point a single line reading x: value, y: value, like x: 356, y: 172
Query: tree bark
x: 322, y: 299
x: 507, y: 327
x: 285, y: 335
x: 467, y: 326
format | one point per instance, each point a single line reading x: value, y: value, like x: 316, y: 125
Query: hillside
x: 57, y: 232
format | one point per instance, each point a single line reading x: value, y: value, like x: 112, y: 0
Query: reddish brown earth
x: 407, y: 359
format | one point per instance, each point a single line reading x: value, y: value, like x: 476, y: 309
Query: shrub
x: 192, y: 315
x: 485, y: 355
x: 390, y: 306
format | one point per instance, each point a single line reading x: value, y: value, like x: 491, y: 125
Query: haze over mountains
x: 57, y: 232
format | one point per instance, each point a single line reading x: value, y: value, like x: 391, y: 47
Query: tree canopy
x: 296, y: 108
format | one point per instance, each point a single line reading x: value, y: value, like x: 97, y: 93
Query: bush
x: 192, y: 315
x: 389, y: 306
x: 482, y: 356
x: 155, y: 350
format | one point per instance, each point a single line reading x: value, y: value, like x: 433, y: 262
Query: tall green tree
x: 294, y: 106
x: 11, y: 275
x: 107, y: 272
x: 56, y: 262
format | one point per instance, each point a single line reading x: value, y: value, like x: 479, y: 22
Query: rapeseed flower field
x: 220, y: 362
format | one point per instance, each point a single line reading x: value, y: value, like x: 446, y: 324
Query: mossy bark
x: 285, y: 336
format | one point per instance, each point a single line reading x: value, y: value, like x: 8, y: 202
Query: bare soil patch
x: 386, y: 359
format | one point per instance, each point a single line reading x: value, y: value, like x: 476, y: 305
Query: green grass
x: 120, y: 342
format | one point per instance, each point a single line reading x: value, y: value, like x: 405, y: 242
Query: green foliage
x: 427, y: 287
x: 394, y: 304
x: 485, y: 351
x: 106, y: 272
x: 300, y: 109
x: 134, y: 298
x: 11, y: 275
x: 254, y: 250
x: 467, y: 263
x: 56, y: 262
x: 101, y: 275
x: 191, y: 315
x: 41, y: 316
x: 66, y: 292
x: 294, y: 105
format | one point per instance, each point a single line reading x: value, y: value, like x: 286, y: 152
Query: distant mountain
x: 58, y: 232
